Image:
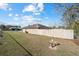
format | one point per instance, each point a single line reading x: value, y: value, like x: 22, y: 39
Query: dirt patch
x: 64, y: 41
x: 76, y: 42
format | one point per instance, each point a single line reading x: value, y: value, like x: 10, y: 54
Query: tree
x: 2, y: 27
x: 75, y: 26
x: 71, y: 18
x: 70, y: 15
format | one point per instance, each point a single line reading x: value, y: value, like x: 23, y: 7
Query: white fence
x: 59, y: 33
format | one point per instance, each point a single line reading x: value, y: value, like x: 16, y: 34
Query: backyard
x: 16, y: 43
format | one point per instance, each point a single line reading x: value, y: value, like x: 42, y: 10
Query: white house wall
x: 59, y: 33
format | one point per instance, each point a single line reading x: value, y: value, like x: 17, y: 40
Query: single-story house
x: 14, y: 28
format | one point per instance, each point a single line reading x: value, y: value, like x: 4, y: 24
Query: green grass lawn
x: 10, y: 48
x: 36, y: 44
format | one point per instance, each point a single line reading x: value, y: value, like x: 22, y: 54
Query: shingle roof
x: 37, y: 26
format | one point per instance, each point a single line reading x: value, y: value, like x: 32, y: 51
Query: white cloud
x: 9, y: 9
x: 2, y: 21
x: 30, y: 8
x: 16, y: 18
x: 10, y: 14
x: 40, y: 6
x: 46, y: 17
x: 36, y: 8
x: 13, y: 23
x: 31, y: 19
x: 37, y: 13
x: 4, y: 6
x: 16, y: 15
x: 27, y: 18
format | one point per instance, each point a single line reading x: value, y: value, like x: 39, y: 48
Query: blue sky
x: 24, y: 14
